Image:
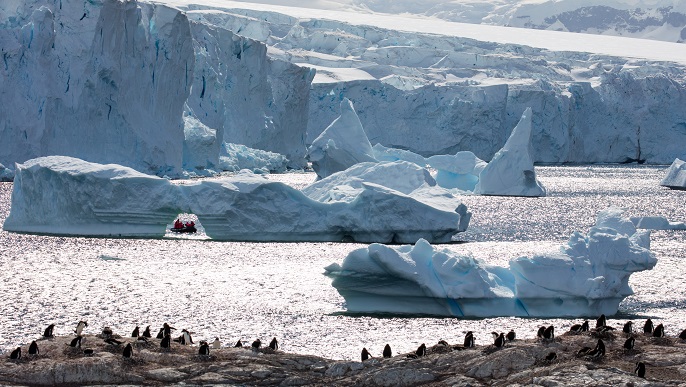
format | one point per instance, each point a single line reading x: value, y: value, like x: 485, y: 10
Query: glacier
x: 587, y: 277
x: 235, y: 157
x: 675, y: 177
x: 61, y: 195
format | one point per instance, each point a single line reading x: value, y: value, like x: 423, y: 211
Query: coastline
x: 520, y: 362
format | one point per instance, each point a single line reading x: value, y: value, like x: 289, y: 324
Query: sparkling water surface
x: 249, y: 290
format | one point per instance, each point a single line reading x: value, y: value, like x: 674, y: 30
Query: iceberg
x: 676, y: 175
x: 235, y: 157
x: 67, y: 196
x: 459, y: 171
x: 657, y: 223
x: 341, y: 145
x: 587, y: 277
x: 511, y: 171
x: 6, y: 174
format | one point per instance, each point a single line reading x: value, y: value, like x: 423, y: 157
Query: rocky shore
x: 519, y: 362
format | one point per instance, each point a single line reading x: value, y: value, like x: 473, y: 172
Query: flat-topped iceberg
x: 587, y: 277
x: 657, y: 223
x: 68, y: 196
x: 676, y: 175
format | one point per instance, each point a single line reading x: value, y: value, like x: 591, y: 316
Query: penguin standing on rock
x: 659, y: 331
x: 274, y: 344
x: 511, y: 335
x: 469, y: 340
x: 146, y: 332
x: 128, y: 351
x: 365, y: 354
x: 33, y: 348
x: 136, y: 331
x: 16, y: 354
x: 640, y: 370
x: 628, y: 328
x: 387, y: 351
x: 216, y: 344
x: 540, y: 332
x: 204, y: 349
x: 500, y: 340
x: 47, y: 333
x: 648, y: 326
x: 80, y: 326
x: 76, y: 342
x: 257, y: 344
x: 421, y: 351
x: 597, y: 352
x: 601, y: 322
x: 187, y: 339
x: 166, y: 342
x: 549, y: 333
x: 629, y: 343
x: 239, y: 344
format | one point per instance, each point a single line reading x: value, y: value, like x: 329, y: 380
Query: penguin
x: 113, y: 341
x: 648, y: 326
x: 47, y: 333
x: 659, y: 331
x: 539, y: 334
x: 16, y: 354
x: 33, y: 348
x: 166, y: 342
x: 640, y: 370
x: 128, y: 351
x: 365, y: 354
x: 440, y: 342
x: 469, y: 340
x: 274, y: 344
x: 628, y: 328
x: 511, y: 335
x: 107, y: 331
x: 146, y: 332
x: 204, y: 349
x: 181, y: 340
x: 188, y: 340
x: 88, y: 352
x: 597, y: 352
x: 167, y: 329
x: 387, y: 351
x: 551, y: 357
x: 576, y: 328
x: 549, y: 333
x: 216, y: 344
x: 256, y: 344
x: 239, y: 344
x: 136, y: 332
x: 421, y: 351
x: 76, y: 342
x: 629, y: 343
x: 601, y: 321
x: 495, y: 335
x: 160, y: 334
x: 500, y: 340
x: 682, y: 335
x: 80, y: 326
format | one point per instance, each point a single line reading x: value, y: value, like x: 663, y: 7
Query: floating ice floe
x: 587, y: 277
x: 657, y: 223
x: 341, y: 145
x: 511, y: 171
x: 676, y: 175
x: 68, y: 196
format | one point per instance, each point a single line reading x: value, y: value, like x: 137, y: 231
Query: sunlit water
x: 250, y: 290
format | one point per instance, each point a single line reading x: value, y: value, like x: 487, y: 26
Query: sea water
x: 234, y: 290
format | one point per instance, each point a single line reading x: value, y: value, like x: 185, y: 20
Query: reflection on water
x: 247, y: 290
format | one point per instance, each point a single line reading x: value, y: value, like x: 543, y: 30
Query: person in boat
x: 190, y: 224
x: 178, y: 223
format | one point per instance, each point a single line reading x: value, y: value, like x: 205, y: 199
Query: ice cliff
x: 108, y: 81
x: 67, y: 196
x: 587, y: 277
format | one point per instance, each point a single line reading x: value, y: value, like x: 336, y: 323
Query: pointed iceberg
x: 676, y: 175
x: 511, y: 171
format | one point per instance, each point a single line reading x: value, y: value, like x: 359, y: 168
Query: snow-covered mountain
x: 110, y: 81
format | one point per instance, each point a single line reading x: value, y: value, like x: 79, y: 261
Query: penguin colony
x: 128, y: 351
x: 602, y: 332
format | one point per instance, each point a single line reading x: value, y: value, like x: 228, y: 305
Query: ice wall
x: 67, y: 196
x: 587, y: 277
x: 105, y: 81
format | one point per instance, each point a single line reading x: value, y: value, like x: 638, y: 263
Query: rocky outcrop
x: 520, y: 362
